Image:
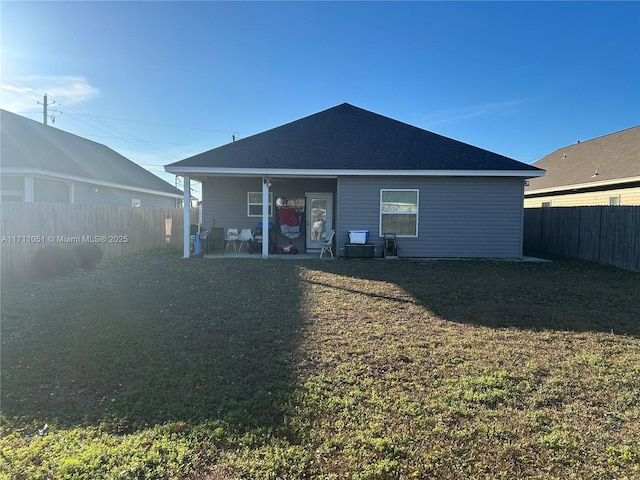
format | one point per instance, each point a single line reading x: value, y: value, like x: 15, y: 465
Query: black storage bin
x: 359, y: 250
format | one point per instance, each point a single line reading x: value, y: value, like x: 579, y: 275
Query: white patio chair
x: 231, y: 238
x: 246, y: 236
x: 327, y: 245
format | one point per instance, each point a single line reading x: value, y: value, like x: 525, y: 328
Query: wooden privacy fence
x: 119, y: 231
x: 608, y: 235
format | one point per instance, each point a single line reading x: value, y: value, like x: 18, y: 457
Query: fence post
x: 167, y: 229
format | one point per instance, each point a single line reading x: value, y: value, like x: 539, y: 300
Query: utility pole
x: 45, y: 104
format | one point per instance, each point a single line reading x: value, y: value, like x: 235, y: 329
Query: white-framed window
x: 546, y: 204
x: 254, y: 204
x: 135, y: 202
x: 614, y: 201
x: 399, y: 212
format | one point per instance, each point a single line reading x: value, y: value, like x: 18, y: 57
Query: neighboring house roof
x: 347, y: 140
x: 608, y: 160
x: 29, y: 147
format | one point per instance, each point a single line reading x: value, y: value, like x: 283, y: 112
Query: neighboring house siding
x: 60, y: 191
x: 86, y: 193
x: 50, y: 190
x: 458, y: 217
x: 626, y: 196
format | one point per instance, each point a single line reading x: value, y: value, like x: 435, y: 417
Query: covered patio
x: 298, y: 210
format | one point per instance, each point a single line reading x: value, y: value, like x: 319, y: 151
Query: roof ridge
x: 580, y: 142
x: 56, y: 131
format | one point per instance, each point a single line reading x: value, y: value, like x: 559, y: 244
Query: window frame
x: 250, y: 204
x: 416, y: 213
x: 12, y: 196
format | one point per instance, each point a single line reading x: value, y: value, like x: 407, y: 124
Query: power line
x: 140, y: 143
x: 127, y: 138
x: 147, y: 141
x: 162, y: 124
x: 18, y: 92
x: 123, y: 136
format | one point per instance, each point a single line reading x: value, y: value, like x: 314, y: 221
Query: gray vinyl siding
x: 224, y: 199
x: 224, y: 202
x: 457, y: 217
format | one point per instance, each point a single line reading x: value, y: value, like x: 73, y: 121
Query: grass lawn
x: 154, y: 366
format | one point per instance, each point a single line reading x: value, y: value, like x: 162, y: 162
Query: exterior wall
x: 457, y: 217
x: 224, y: 200
x: 627, y: 196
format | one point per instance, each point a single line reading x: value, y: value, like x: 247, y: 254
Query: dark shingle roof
x: 30, y: 145
x: 348, y: 137
x: 614, y: 156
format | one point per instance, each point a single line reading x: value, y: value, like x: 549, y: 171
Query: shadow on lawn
x: 149, y: 340
x: 563, y: 295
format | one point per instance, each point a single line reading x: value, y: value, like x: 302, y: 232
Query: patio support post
x: 186, y: 206
x: 265, y: 217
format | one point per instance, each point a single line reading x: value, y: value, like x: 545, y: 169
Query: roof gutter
x: 283, y: 172
x: 580, y: 186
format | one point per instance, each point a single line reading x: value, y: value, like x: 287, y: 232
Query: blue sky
x: 160, y: 81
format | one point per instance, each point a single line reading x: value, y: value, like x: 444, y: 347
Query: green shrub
x: 90, y: 254
x: 52, y: 261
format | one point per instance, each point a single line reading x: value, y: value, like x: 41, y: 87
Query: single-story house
x: 40, y: 163
x: 348, y: 169
x: 601, y: 171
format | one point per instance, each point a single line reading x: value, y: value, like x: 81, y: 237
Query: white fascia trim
x: 283, y: 172
x: 75, y: 178
x: 578, y: 186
